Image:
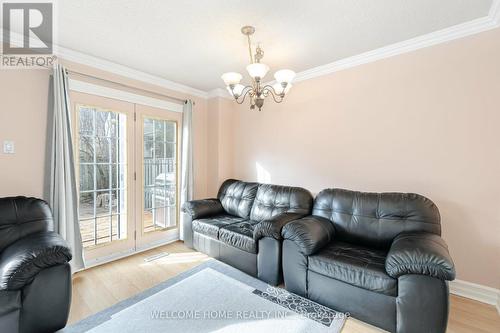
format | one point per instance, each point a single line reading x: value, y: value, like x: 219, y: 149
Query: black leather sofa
x: 35, y: 277
x: 242, y: 226
x: 378, y: 256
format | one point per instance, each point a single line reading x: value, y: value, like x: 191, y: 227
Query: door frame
x: 131, y: 106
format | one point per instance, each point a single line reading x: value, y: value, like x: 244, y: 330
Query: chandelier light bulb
x: 284, y: 76
x: 278, y: 87
x: 237, y: 90
x: 257, y: 70
x: 231, y: 78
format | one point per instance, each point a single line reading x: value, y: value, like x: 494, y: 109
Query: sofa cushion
x: 240, y: 235
x: 237, y: 197
x: 375, y: 219
x: 272, y: 200
x: 356, y: 265
x: 210, y: 226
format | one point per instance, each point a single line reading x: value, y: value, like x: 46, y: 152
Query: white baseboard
x: 476, y: 292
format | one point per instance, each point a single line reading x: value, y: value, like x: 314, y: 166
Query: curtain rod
x: 69, y: 71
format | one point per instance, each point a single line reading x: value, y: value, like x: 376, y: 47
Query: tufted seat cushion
x: 355, y: 265
x: 21, y: 216
x: 240, y: 235
x: 237, y: 197
x: 210, y: 226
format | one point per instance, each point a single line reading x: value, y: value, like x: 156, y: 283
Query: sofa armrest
x: 203, y: 208
x: 21, y: 261
x: 272, y: 227
x: 310, y: 233
x: 419, y: 253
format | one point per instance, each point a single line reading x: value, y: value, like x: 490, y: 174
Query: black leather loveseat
x: 35, y: 277
x: 379, y: 257
x: 242, y: 226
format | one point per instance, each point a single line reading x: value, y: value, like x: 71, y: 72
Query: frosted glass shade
x: 237, y: 90
x: 279, y: 88
x: 257, y: 70
x: 231, y: 78
x: 284, y: 75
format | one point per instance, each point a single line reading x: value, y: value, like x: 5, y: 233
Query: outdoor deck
x: 108, y: 230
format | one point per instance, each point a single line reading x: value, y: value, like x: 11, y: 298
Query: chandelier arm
x: 278, y: 98
x: 240, y: 99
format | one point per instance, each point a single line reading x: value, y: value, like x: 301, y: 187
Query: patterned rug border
x: 300, y: 305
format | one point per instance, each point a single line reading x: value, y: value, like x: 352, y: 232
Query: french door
x: 157, y: 148
x: 126, y: 158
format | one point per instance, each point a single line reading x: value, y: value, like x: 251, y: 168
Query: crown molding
x: 489, y: 22
x: 105, y: 65
x: 219, y: 92
x: 109, y: 66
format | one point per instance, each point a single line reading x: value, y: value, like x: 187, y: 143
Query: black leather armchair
x: 378, y: 256
x: 242, y: 226
x: 35, y: 277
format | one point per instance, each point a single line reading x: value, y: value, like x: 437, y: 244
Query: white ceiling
x: 193, y: 42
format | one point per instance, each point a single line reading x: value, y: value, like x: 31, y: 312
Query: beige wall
x: 23, y: 118
x: 220, y: 148
x: 425, y: 122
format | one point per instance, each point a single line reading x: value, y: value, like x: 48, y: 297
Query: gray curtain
x: 187, y: 186
x: 61, y: 178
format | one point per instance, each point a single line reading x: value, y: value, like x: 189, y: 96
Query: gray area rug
x: 213, y: 297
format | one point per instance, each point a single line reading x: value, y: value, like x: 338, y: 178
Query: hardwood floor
x: 100, y: 287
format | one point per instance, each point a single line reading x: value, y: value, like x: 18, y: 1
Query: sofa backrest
x: 237, y: 197
x: 375, y: 219
x: 272, y: 200
x: 21, y: 216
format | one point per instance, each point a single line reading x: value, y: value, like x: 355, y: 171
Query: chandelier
x: 257, y: 92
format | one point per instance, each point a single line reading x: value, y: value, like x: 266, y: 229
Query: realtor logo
x: 28, y: 29
x: 31, y: 20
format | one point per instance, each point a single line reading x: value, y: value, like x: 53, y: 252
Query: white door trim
x: 94, y: 89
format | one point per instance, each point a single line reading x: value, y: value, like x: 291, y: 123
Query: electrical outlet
x: 8, y: 147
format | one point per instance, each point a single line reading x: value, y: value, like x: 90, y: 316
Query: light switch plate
x: 8, y: 147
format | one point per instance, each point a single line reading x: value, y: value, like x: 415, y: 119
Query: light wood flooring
x: 100, y: 287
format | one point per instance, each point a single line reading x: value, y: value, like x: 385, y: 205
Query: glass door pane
x: 102, y: 166
x: 160, y: 174
x: 157, y: 134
